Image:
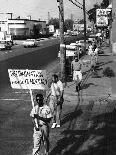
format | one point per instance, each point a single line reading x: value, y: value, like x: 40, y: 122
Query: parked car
x: 80, y: 43
x: 5, y: 45
x: 30, y: 43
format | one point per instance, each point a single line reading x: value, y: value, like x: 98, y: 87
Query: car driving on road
x: 30, y: 43
x: 4, y: 45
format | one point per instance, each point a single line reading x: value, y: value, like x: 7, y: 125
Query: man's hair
x: 39, y: 95
x: 55, y: 76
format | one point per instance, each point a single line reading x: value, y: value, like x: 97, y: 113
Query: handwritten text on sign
x: 28, y: 79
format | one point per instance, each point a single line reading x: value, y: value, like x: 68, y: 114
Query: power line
x: 81, y: 7
x: 78, y: 2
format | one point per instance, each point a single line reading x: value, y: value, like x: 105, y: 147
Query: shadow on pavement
x: 103, y: 63
x: 71, y: 116
x: 99, y: 138
x: 86, y: 85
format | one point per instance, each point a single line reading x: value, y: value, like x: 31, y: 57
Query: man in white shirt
x: 90, y: 49
x: 77, y: 73
x: 41, y: 115
x: 56, y: 100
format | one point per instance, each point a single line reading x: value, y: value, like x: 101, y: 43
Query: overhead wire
x: 81, y: 7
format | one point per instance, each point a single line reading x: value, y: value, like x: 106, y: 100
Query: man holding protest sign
x: 56, y: 100
x: 42, y: 113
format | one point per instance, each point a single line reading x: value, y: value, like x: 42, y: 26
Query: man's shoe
x: 58, y: 125
x: 53, y: 125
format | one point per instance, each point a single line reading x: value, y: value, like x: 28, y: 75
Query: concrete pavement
x: 91, y: 129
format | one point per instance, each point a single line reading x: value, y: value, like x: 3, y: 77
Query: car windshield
x: 29, y: 40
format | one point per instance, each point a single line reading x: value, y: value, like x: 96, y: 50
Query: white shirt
x: 90, y: 50
x: 96, y: 51
x: 43, y: 111
x: 57, y: 88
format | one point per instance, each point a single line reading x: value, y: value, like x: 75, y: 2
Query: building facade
x: 21, y: 26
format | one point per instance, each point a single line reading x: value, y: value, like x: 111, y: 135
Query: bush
x: 108, y: 72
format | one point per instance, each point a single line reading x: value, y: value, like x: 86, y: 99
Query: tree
x: 81, y: 21
x: 92, y: 13
x: 68, y: 24
x: 36, y: 30
x: 55, y: 22
x: 104, y: 4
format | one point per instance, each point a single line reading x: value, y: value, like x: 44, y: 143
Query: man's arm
x: 46, y: 120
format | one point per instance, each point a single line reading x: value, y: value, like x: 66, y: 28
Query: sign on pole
x: 101, y: 17
x: 28, y: 79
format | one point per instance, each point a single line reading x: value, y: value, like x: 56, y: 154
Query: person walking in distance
x: 56, y: 100
x: 94, y: 57
x: 42, y: 113
x: 77, y: 74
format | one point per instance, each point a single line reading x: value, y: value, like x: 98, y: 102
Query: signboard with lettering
x: 69, y: 53
x: 28, y: 79
x: 102, y: 17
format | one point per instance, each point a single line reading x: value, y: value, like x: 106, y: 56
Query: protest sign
x: 28, y: 79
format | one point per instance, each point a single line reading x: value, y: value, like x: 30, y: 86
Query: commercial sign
x: 28, y: 79
x: 102, y: 17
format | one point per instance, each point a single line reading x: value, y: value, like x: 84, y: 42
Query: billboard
x: 101, y: 17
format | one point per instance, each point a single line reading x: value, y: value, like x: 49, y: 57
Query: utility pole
x: 84, y: 16
x: 62, y: 43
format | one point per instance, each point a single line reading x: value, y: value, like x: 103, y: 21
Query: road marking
x: 26, y: 92
x: 15, y: 100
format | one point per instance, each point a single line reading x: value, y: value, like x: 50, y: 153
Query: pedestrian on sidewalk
x: 42, y: 113
x: 90, y: 49
x: 94, y: 57
x: 56, y: 100
x: 77, y: 73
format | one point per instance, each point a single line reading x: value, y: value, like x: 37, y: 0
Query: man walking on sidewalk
x: 41, y: 115
x: 56, y: 100
x: 77, y: 74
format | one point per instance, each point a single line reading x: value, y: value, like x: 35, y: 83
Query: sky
x: 38, y: 9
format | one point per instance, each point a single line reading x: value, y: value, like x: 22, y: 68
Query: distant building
x: 20, y: 26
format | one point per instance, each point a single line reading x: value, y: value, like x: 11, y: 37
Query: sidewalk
x: 88, y: 127
x: 96, y: 87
